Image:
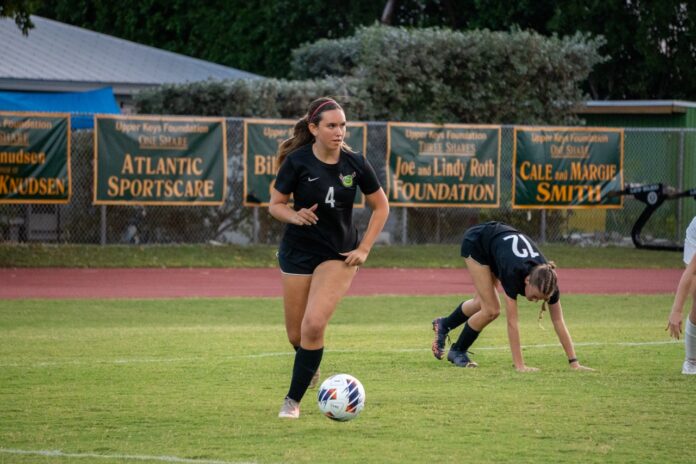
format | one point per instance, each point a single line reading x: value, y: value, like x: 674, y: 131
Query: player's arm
x: 513, y: 330
x: 564, y: 336
x: 674, y: 323
x: 378, y: 203
x: 280, y: 210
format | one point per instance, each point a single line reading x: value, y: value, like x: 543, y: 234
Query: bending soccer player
x: 497, y: 252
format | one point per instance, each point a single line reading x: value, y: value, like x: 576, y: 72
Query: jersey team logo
x: 347, y: 180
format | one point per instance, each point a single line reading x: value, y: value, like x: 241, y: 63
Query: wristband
x: 572, y: 360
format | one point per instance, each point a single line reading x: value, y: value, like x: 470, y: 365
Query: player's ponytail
x: 544, y: 278
x: 301, y: 134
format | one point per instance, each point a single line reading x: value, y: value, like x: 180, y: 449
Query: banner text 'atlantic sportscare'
x: 164, y: 161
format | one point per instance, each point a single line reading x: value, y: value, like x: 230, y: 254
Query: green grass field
x: 201, y: 381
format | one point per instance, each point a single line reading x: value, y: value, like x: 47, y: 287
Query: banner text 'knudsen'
x: 34, y: 158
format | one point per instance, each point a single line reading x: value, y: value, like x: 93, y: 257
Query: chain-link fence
x: 665, y: 156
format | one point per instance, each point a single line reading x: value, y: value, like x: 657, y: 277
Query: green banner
x: 34, y: 158
x: 261, y: 140
x: 449, y: 165
x: 567, y: 167
x: 150, y: 160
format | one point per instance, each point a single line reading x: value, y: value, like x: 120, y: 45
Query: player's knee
x: 294, y: 338
x: 313, y: 328
x: 476, y: 303
x: 491, y: 312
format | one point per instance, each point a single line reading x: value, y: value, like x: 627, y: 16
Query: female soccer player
x: 320, y: 251
x: 687, y: 285
x: 497, y: 252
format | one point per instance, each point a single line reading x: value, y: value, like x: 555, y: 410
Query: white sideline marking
x: 505, y: 347
x: 132, y: 457
x: 290, y: 353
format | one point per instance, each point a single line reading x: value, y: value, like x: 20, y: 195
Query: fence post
x: 542, y: 227
x: 680, y: 185
x: 404, y: 225
x: 103, y: 225
x: 255, y: 227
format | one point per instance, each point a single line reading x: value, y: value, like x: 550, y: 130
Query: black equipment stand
x: 653, y: 195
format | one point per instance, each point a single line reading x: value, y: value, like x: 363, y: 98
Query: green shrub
x: 325, y: 57
x: 473, y: 77
x: 263, y: 98
x: 399, y: 74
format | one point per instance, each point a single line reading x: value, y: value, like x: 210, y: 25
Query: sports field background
x: 201, y: 381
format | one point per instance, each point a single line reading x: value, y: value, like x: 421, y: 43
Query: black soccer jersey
x: 510, y: 254
x: 333, y: 187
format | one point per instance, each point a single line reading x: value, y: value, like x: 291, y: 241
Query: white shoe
x: 290, y: 409
x: 689, y: 367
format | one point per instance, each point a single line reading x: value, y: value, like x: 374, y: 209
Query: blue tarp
x: 82, y: 105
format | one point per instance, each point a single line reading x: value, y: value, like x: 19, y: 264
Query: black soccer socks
x: 455, y: 319
x: 306, y: 364
x: 466, y: 339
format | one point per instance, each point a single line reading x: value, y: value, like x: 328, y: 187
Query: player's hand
x: 305, y: 216
x: 674, y: 325
x: 527, y: 369
x: 356, y: 257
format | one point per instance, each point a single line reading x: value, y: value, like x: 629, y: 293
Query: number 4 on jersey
x: 329, y: 200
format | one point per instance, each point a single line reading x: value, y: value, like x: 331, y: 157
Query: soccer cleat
x: 315, y: 380
x: 460, y: 359
x: 290, y: 409
x: 441, y: 336
x: 689, y: 367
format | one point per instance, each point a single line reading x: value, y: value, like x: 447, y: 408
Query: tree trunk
x: 388, y: 13
x: 455, y: 20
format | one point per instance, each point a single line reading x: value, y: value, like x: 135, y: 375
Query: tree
x: 650, y: 44
x: 20, y: 11
x: 410, y: 74
x: 423, y: 13
x: 253, y: 35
